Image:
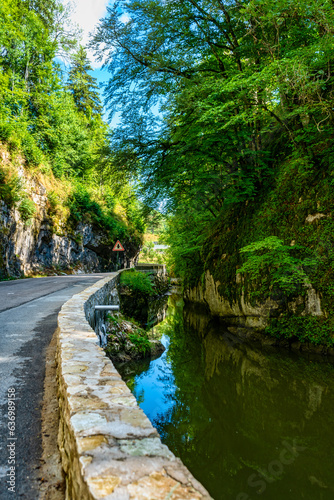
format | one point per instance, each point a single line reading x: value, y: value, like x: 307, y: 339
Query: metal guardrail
x: 106, y: 308
x: 152, y: 268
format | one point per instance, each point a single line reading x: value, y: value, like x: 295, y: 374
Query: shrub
x: 137, y: 282
x: 283, y: 266
x: 54, y: 201
x: 317, y: 330
x: 10, y: 188
x: 141, y: 343
x: 83, y: 207
x: 27, y: 209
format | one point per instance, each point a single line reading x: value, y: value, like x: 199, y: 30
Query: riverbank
x: 127, y: 341
x: 267, y: 321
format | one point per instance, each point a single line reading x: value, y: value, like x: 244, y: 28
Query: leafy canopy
x: 240, y: 86
x: 281, y: 263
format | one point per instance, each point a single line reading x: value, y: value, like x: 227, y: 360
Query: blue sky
x: 101, y: 77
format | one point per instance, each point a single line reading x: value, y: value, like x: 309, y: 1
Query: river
x: 248, y: 422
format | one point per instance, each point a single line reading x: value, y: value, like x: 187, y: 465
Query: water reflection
x: 248, y: 423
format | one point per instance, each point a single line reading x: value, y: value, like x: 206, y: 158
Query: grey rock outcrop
x: 243, y: 313
x: 35, y: 245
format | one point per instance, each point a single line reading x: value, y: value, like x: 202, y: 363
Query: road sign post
x: 118, y: 247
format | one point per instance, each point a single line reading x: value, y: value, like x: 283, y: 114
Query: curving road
x: 28, y: 319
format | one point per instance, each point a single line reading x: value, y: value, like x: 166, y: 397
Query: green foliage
x: 52, y: 121
x: 27, y: 209
x: 242, y: 151
x: 83, y: 86
x: 53, y: 200
x: 226, y: 95
x: 126, y: 336
x: 81, y: 205
x: 112, y: 319
x: 284, y: 211
x: 137, y: 282
x: 141, y: 342
x: 139, y: 292
x: 26, y: 71
x: 10, y: 188
x: 147, y: 251
x: 275, y: 266
x: 13, y: 194
x: 84, y: 208
x: 243, y: 88
x: 149, y: 255
x: 156, y: 222
x: 185, y: 234
x: 46, y: 118
x: 317, y: 331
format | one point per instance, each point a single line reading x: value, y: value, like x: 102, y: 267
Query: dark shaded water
x: 248, y: 423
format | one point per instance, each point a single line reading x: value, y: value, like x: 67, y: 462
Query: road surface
x: 28, y: 319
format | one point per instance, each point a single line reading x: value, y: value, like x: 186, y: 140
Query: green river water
x: 248, y: 423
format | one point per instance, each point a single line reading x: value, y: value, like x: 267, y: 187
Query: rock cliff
x: 244, y: 313
x: 36, y: 244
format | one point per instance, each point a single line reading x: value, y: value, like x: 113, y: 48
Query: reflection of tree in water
x: 227, y: 407
x: 177, y: 426
x: 132, y: 369
x: 140, y: 396
x: 157, y: 310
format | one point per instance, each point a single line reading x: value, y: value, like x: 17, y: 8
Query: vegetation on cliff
x: 242, y: 147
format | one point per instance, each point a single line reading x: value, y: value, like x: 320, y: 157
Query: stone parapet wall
x: 109, y: 448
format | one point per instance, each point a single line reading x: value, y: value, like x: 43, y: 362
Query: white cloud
x: 125, y: 18
x: 87, y: 13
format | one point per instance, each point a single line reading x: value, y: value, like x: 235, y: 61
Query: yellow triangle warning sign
x: 118, y: 247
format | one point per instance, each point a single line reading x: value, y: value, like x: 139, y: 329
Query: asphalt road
x: 28, y: 319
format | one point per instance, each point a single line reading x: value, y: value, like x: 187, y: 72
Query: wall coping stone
x: 108, y: 446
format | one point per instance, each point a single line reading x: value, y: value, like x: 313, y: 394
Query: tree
x: 83, y: 86
x: 227, y: 75
x: 242, y: 85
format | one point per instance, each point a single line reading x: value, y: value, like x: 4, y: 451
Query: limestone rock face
x: 243, y: 313
x: 30, y: 246
x: 26, y: 248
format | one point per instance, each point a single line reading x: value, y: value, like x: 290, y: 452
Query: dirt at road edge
x: 52, y: 477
